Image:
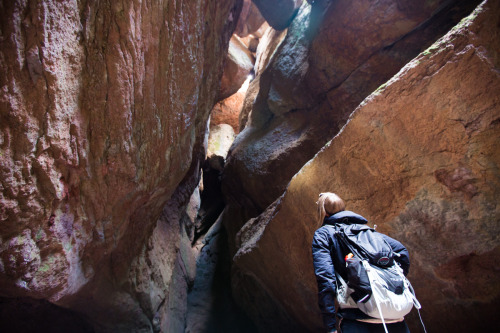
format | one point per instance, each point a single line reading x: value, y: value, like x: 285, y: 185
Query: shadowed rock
x: 278, y: 13
x: 103, y: 109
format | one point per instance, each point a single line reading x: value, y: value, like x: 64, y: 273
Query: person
x: 328, y: 258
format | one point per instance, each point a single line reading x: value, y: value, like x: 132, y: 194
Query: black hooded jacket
x: 328, y: 257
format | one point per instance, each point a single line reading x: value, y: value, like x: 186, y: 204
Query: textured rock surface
x: 210, y: 305
x: 291, y: 116
x: 250, y: 20
x: 103, y: 109
x: 219, y: 141
x: 420, y: 158
x: 239, y: 63
x: 267, y: 45
x: 228, y: 111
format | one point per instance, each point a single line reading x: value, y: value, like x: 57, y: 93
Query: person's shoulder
x: 323, y: 236
x: 325, y: 230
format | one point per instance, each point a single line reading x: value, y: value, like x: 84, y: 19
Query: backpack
x: 376, y: 284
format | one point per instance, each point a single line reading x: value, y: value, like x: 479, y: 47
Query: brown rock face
x: 419, y: 157
x: 291, y: 116
x: 228, y: 111
x: 239, y: 63
x: 103, y: 109
x: 250, y: 20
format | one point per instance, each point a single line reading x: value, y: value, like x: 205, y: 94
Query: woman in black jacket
x: 328, y: 257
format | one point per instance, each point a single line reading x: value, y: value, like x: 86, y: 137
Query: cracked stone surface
x: 419, y: 158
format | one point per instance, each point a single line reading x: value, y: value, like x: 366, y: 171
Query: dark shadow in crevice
x: 225, y: 314
x: 28, y: 315
x: 212, y: 201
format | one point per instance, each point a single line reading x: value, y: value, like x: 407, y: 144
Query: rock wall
x: 103, y: 126
x: 309, y: 79
x: 103, y: 109
x: 419, y: 157
x: 312, y: 83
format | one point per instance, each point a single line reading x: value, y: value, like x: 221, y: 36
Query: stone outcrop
x: 219, y: 141
x: 419, y: 157
x: 267, y: 45
x: 228, y: 111
x: 311, y: 84
x: 239, y: 62
x: 250, y: 20
x: 103, y: 109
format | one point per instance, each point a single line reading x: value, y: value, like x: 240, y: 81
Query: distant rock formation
x: 239, y: 63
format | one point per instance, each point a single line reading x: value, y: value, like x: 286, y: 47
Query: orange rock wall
x: 419, y: 158
x: 310, y: 85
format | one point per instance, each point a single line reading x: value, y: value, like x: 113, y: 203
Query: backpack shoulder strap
x: 341, y: 231
x: 366, y: 243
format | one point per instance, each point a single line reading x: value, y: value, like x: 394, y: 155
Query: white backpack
x: 385, y: 302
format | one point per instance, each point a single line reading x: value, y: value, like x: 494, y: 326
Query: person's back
x: 328, y: 258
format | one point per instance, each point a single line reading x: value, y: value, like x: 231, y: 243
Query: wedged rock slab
x: 228, y: 111
x: 289, y: 114
x: 238, y: 64
x: 219, y: 141
x: 420, y: 158
x: 250, y: 20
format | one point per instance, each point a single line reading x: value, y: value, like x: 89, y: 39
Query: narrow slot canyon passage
x: 160, y: 161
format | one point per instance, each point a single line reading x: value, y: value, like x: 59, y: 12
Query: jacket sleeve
x: 325, y: 276
x: 402, y: 257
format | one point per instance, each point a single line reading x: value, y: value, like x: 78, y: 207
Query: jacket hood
x: 346, y: 217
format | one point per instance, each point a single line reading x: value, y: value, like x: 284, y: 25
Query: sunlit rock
x: 290, y: 116
x: 251, y: 42
x: 267, y: 45
x: 238, y: 64
x: 220, y: 140
x: 228, y: 111
x: 419, y: 158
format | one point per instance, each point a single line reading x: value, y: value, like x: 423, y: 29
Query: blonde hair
x: 328, y: 204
